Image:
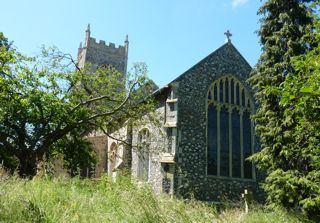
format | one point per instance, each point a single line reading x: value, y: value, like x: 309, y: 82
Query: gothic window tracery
x: 230, y: 135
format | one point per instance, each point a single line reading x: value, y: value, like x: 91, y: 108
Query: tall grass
x: 76, y: 200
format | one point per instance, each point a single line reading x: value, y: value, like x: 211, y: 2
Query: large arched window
x: 143, y: 154
x: 230, y: 130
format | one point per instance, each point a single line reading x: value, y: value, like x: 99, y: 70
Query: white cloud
x: 236, y: 3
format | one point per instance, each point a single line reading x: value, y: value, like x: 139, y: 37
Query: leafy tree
x: 6, y: 57
x: 301, y: 101
x: 77, y: 153
x: 47, y: 102
x: 286, y: 31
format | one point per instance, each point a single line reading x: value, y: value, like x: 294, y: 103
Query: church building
x: 206, y: 134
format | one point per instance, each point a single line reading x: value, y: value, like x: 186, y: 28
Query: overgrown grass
x: 76, y: 200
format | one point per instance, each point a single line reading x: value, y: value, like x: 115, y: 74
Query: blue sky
x: 170, y: 36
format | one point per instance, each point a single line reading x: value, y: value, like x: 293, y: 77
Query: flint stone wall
x: 191, y: 178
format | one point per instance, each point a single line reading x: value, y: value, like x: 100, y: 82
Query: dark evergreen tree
x: 301, y: 100
x: 286, y: 32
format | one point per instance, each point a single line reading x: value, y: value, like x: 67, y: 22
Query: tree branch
x: 92, y: 100
x: 110, y: 136
x: 111, y: 112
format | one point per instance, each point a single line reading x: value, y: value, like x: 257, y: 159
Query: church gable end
x: 224, y: 60
x: 195, y: 174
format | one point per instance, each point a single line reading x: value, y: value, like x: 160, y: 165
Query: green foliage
x: 47, y: 102
x: 301, y: 100
x: 103, y: 200
x: 74, y: 200
x: 279, y: 215
x: 286, y: 119
x: 77, y: 153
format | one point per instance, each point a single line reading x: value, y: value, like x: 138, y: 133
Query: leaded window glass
x: 226, y: 84
x: 230, y: 130
x: 237, y: 94
x: 224, y: 142
x: 215, y: 92
x: 221, y: 91
x: 236, y: 149
x: 232, y: 91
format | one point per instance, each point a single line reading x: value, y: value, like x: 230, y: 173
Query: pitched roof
x: 227, y: 54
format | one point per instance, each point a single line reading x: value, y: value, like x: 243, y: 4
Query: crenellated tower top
x: 100, y: 53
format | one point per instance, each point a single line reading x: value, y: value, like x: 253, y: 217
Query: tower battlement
x: 100, y: 53
x: 103, y: 43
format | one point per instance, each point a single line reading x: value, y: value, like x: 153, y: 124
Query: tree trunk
x: 27, y: 166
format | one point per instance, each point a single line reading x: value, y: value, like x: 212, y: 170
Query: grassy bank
x: 75, y: 200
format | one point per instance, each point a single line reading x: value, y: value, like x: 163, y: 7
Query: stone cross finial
x: 228, y: 35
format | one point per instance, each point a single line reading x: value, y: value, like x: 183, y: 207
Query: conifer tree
x: 301, y: 100
x: 286, y: 32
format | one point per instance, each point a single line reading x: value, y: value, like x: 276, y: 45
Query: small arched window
x: 143, y: 154
x: 230, y: 132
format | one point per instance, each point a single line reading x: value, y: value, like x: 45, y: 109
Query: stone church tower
x: 101, y: 54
